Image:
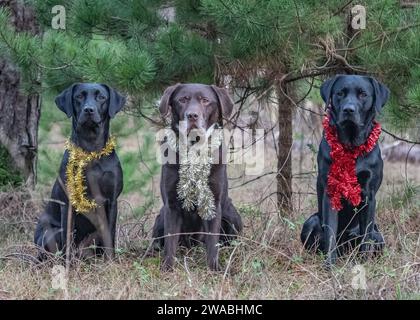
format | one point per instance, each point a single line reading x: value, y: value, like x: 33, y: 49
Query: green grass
x: 403, y: 198
x: 48, y: 164
x: 405, y: 195
x: 50, y: 115
x: 9, y: 176
x: 248, y: 210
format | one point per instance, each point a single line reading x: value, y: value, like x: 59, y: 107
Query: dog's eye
x: 362, y: 94
x: 101, y: 98
x: 79, y: 96
x: 184, y: 99
x: 204, y: 100
x: 340, y: 93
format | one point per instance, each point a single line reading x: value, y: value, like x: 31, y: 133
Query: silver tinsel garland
x: 195, y: 164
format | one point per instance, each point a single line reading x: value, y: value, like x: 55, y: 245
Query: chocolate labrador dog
x: 91, y: 106
x: 199, y: 106
x: 353, y: 102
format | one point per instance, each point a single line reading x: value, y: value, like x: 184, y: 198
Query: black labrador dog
x: 200, y: 106
x: 352, y: 101
x: 91, y: 106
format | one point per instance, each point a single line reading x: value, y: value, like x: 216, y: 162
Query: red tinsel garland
x: 342, y: 179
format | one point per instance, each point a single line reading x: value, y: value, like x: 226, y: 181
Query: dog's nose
x: 88, y: 109
x: 192, y: 116
x: 349, y: 109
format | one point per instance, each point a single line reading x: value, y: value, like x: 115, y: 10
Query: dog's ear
x: 381, y: 93
x: 64, y: 100
x: 166, y: 99
x: 326, y: 88
x: 116, y: 101
x: 225, y: 100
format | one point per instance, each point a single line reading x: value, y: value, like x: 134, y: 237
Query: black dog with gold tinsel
x: 90, y: 176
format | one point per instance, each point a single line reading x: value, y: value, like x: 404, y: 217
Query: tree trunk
x: 284, y: 156
x: 19, y: 113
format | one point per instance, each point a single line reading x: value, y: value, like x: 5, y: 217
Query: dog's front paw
x: 372, y: 245
x: 330, y: 262
x: 109, y: 254
x: 167, y: 265
x: 330, y: 259
x: 214, y: 265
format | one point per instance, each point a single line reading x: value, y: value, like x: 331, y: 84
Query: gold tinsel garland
x: 78, y: 160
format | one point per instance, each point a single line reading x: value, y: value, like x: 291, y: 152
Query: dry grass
x: 267, y: 262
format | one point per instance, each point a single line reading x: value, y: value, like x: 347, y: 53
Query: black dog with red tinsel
x: 350, y: 169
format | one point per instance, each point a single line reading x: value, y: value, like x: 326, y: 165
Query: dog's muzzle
x: 89, y: 115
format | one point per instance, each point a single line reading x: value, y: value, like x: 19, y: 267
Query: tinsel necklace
x: 342, y: 179
x: 75, y: 175
x: 193, y: 188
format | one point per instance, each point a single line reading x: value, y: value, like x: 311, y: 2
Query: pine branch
x: 298, y: 17
x: 382, y: 37
x: 342, y: 8
x: 399, y: 138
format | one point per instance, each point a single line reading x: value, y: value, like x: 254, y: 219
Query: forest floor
x: 266, y: 262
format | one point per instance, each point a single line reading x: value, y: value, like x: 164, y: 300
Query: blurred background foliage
x: 142, y: 46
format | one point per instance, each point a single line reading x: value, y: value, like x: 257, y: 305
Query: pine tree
x: 19, y: 111
x: 271, y: 48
